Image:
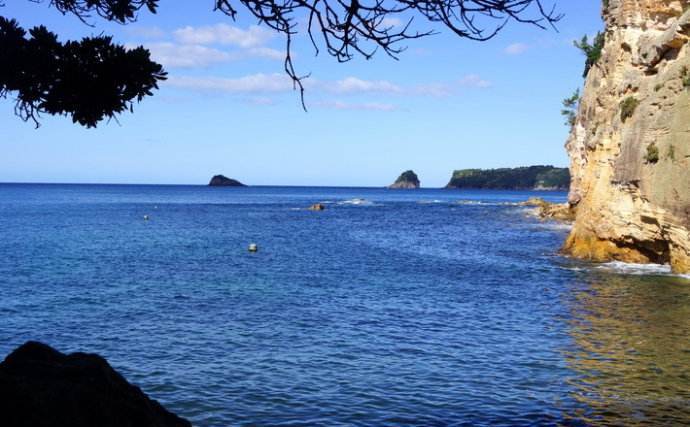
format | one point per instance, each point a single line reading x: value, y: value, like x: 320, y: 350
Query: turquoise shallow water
x: 425, y: 308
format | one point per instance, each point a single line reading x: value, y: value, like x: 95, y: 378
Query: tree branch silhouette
x: 343, y: 28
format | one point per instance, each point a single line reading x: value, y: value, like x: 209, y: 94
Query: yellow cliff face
x: 630, y: 147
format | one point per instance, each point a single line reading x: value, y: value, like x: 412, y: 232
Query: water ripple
x: 412, y: 313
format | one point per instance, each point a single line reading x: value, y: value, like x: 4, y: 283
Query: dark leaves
x: 89, y: 80
x: 122, y: 11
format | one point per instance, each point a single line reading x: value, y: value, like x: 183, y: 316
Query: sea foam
x: 619, y: 267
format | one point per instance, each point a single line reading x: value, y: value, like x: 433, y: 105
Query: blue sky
x: 448, y: 103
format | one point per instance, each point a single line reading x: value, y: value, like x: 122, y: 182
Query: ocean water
x: 412, y: 308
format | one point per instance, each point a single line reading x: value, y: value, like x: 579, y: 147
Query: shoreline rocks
x: 554, y: 211
x: 41, y: 387
x: 223, y: 181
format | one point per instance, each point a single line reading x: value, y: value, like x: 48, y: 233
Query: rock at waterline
x: 223, y: 181
x: 557, y: 211
x: 41, y: 387
x: 408, y: 180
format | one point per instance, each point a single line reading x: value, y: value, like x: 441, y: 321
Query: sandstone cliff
x: 630, y: 145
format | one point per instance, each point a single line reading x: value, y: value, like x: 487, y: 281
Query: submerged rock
x: 223, y: 181
x: 41, y: 387
x: 408, y: 180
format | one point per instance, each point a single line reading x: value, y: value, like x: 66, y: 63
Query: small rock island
x: 408, y: 180
x: 223, y: 181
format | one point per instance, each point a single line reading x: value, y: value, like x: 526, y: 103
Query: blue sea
x: 389, y: 308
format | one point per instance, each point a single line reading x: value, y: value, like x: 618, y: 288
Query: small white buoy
x: 146, y: 217
x: 253, y: 247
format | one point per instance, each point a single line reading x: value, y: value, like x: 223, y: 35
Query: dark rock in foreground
x: 41, y: 387
x: 524, y: 178
x: 223, y: 181
x: 408, y: 180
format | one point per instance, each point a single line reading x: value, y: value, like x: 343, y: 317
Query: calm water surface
x: 424, y: 308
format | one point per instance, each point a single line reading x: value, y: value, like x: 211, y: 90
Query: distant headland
x: 522, y: 178
x: 408, y: 180
x: 223, y: 181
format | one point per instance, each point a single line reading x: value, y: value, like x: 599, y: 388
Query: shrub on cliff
x: 570, y: 106
x: 592, y: 51
x: 685, y: 77
x: 652, y: 155
x: 628, y: 107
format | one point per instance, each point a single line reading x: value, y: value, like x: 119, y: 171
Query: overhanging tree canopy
x: 94, y: 78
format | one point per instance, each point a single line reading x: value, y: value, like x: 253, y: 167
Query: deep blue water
x: 426, y: 308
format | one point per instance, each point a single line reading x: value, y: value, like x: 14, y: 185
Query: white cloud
x: 267, y: 52
x: 187, y: 56
x: 356, y: 85
x: 365, y: 106
x: 516, y: 49
x: 474, y: 80
x: 199, y: 47
x: 224, y: 34
x: 173, y: 55
x: 391, y: 22
x: 254, y: 83
x: 280, y: 82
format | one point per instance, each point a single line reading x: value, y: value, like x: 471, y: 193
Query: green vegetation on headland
x: 523, y: 178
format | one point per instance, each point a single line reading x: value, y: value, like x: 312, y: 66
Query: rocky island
x: 629, y: 146
x: 523, y: 178
x: 408, y: 180
x: 223, y: 181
